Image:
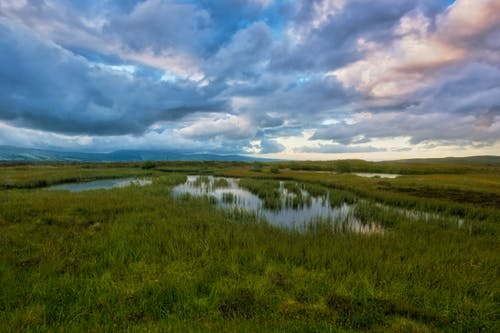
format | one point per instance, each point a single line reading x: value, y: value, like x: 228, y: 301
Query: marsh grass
x: 228, y: 197
x: 266, y: 189
x: 220, y: 183
x: 202, y: 181
x: 138, y: 259
x: 36, y: 176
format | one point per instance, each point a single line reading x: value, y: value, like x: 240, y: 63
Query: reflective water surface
x: 361, y: 174
x: 100, y: 184
x: 371, y: 174
x: 229, y: 195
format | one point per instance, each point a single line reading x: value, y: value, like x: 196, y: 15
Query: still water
x: 362, y: 174
x: 381, y: 175
x: 229, y: 195
x: 100, y: 184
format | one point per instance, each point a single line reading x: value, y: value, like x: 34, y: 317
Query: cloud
x: 228, y: 75
x: 283, y: 131
x: 270, y: 147
x: 227, y: 127
x: 324, y: 34
x: 400, y: 67
x: 338, y: 149
x: 159, y: 138
x: 162, y: 34
x: 307, y: 99
x: 159, y: 26
x: 244, y: 56
x: 466, y: 20
x: 421, y: 45
x: 46, y: 87
x: 13, y: 136
x: 419, y: 128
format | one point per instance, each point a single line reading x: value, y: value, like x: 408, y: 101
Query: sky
x: 293, y: 79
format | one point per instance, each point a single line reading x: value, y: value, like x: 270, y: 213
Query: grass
x: 137, y: 259
x: 267, y: 190
x: 228, y: 197
x: 34, y: 176
x: 394, y: 167
x: 221, y: 183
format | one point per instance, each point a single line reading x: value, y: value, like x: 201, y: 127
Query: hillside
x: 471, y: 160
x: 8, y: 154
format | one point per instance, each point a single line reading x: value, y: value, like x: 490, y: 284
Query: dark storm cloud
x: 182, y: 111
x: 46, y: 87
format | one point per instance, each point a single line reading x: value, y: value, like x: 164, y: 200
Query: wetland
x: 226, y: 246
x: 293, y: 206
x: 104, y: 184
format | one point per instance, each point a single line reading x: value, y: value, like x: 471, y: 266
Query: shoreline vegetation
x: 138, y: 259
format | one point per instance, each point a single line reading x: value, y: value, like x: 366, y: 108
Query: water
x: 381, y: 175
x: 229, y: 195
x: 362, y: 174
x: 100, y: 184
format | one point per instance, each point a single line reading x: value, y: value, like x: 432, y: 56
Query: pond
x: 100, y: 184
x: 381, y: 175
x: 360, y: 174
x: 229, y: 195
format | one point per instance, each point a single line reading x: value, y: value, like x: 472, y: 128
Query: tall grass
x: 35, y: 176
x: 267, y: 190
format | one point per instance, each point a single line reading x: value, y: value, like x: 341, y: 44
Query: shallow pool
x: 100, y: 184
x: 381, y: 175
x: 229, y: 195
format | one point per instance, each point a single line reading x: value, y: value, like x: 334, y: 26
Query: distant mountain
x: 8, y: 153
x: 471, y: 160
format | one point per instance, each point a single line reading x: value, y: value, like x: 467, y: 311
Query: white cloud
x: 405, y: 64
x: 468, y: 18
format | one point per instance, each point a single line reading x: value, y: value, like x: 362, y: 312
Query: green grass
x: 267, y: 190
x: 137, y: 259
x: 411, y: 167
x: 34, y: 176
x: 221, y: 182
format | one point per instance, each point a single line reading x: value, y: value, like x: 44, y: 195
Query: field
x: 138, y: 259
